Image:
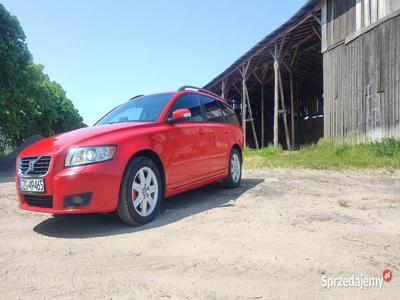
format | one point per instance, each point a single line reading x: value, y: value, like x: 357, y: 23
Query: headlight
x: 88, y: 155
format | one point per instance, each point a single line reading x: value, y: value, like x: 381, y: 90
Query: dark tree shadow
x: 172, y: 209
x: 6, y: 177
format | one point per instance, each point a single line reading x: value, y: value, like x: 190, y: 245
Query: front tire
x: 234, y: 170
x: 141, y: 192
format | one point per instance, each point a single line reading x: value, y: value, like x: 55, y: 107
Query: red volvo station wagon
x: 144, y: 150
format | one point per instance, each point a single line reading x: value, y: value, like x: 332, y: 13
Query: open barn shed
x: 332, y: 70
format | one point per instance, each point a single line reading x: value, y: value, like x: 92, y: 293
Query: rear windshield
x: 141, y: 109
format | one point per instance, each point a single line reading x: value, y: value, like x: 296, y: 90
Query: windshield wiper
x: 127, y: 121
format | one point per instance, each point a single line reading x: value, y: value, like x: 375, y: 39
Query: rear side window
x: 212, y: 109
x: 228, y: 113
x: 191, y: 102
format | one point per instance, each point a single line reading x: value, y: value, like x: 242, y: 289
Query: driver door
x: 187, y: 143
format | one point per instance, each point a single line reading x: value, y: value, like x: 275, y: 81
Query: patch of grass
x: 326, y: 155
x: 343, y: 203
x: 387, y: 147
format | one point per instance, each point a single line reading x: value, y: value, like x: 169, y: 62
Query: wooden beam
x: 277, y: 37
x: 281, y: 46
x: 244, y: 88
x: 294, y: 130
x: 253, y: 128
x: 283, y: 34
x: 308, y: 37
x: 258, y: 78
x: 262, y: 117
x: 272, y: 53
x: 264, y: 74
x: 269, y: 79
x: 292, y: 109
x: 298, y: 87
x: 324, y: 23
x: 316, y: 32
x: 284, y: 114
x: 243, y: 71
x: 276, y: 96
x: 244, y: 111
x: 261, y: 81
x: 223, y: 85
x: 317, y: 19
x: 310, y: 53
x: 286, y: 66
x: 294, y: 56
x: 237, y: 89
x: 285, y: 50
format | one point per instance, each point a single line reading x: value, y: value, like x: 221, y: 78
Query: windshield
x: 141, y: 109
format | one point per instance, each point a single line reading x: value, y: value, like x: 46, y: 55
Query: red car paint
x: 192, y: 155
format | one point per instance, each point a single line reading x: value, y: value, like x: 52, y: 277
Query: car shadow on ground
x: 172, y: 209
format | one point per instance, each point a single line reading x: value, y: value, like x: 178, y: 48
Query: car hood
x: 95, y: 135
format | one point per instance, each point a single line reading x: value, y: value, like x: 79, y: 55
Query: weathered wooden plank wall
x: 341, y: 20
x: 344, y: 17
x: 362, y: 84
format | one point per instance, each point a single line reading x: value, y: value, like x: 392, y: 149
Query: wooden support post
x: 284, y: 114
x: 253, y: 128
x: 243, y: 72
x: 224, y: 88
x: 276, y: 96
x: 244, y: 111
x: 246, y: 106
x: 298, y: 132
x: 261, y: 80
x: 292, y: 109
x: 262, y: 116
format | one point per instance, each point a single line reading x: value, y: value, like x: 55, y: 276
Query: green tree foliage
x: 29, y: 102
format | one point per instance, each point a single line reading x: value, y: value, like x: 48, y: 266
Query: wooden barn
x: 332, y: 70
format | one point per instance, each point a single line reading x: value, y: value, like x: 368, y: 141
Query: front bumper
x: 102, y: 180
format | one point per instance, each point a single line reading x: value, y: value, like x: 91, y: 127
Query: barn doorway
x: 285, y: 68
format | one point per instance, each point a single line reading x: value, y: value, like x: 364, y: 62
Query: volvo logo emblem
x: 31, y: 165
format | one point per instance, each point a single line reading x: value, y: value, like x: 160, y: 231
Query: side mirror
x: 180, y: 115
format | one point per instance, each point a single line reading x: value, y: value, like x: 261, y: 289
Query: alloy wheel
x: 145, y: 191
x: 235, y: 167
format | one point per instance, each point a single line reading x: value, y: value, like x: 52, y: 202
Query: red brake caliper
x: 134, y: 195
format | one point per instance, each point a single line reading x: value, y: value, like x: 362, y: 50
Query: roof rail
x: 190, y: 87
x: 137, y: 96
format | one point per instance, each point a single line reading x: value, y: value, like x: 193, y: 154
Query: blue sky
x: 104, y: 52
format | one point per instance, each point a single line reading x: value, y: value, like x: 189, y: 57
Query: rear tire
x: 141, y: 192
x: 234, y: 170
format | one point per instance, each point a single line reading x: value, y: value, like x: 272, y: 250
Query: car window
x: 228, y: 113
x: 192, y: 103
x: 140, y: 109
x: 212, y: 109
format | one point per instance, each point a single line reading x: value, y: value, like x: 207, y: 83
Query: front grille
x: 39, y: 200
x: 34, y: 165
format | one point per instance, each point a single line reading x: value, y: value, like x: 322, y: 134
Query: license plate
x: 34, y: 185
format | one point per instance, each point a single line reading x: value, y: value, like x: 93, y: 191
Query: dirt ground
x: 272, y: 238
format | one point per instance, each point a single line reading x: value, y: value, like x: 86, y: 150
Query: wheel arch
x: 239, y: 149
x: 155, y: 158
